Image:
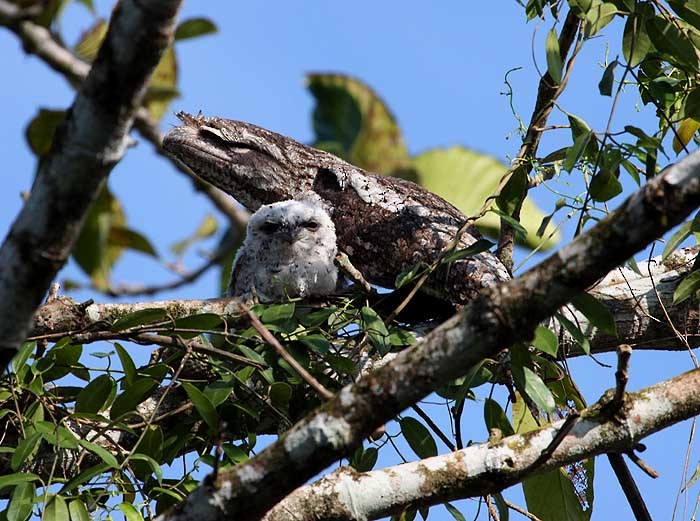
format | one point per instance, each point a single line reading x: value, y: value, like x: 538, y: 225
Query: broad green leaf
x: 139, y: 318
x: 162, y: 88
x: 16, y: 478
x: 101, y: 452
x: 317, y: 343
x: 280, y: 393
x: 552, y: 496
x: 350, y: 115
x: 56, y: 509
x: 598, y: 17
x: 23, y: 354
x: 153, y: 464
x: 133, y: 396
x: 60, y: 437
x: 495, y: 417
x: 376, y: 330
x: 606, y: 82
x: 93, y: 251
x: 40, y: 130
x: 596, y: 312
x: 680, y: 235
x: 277, y: 312
x: 535, y: 388
x: 206, y: 228
x: 120, y: 236
x: 235, y: 453
x: 604, y: 186
x: 78, y: 511
x: 24, y: 450
x: 575, y: 333
x: 85, y: 476
x: 513, y: 192
x: 466, y: 178
x: 127, y: 364
x: 635, y: 41
x: 418, y: 437
x: 95, y: 396
x: 673, y: 43
x: 197, y: 323
x: 21, y: 502
x: 203, y: 405
x: 64, y: 356
x: 130, y: 512
x: 554, y: 64
x: 481, y: 245
x: 576, y: 151
x: 91, y: 40
x: 364, y: 460
x: 193, y: 27
x: 546, y: 341
x: 684, y: 133
x: 687, y: 287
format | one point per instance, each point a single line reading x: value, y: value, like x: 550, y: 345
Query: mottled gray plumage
x: 288, y: 252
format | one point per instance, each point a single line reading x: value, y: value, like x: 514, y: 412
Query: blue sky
x: 439, y: 68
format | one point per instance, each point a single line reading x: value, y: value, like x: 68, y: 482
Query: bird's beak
x: 288, y: 234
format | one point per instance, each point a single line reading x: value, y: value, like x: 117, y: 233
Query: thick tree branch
x: 500, y: 316
x: 491, y: 467
x: 39, y: 41
x: 91, y: 140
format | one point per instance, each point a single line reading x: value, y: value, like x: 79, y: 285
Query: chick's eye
x: 311, y: 225
x: 269, y: 228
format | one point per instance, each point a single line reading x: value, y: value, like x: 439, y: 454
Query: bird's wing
x: 240, y: 267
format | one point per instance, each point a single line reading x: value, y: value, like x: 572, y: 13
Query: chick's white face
x: 289, y: 225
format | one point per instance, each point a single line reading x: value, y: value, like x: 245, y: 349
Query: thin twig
x: 624, y: 352
x: 433, y: 426
x: 521, y: 510
x: 629, y: 487
x: 270, y: 339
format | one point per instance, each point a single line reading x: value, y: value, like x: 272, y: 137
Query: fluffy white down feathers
x: 288, y: 252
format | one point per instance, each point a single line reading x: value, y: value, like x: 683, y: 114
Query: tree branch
x: 486, y: 468
x: 500, y: 316
x: 88, y: 144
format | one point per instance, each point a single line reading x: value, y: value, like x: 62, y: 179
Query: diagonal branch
x: 487, y: 468
x: 502, y: 315
x: 88, y: 144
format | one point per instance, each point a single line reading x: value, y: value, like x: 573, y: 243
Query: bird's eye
x: 270, y: 228
x: 311, y: 225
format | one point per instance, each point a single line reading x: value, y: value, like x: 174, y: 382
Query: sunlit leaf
x: 418, y: 437
x: 41, y: 129
x: 203, y: 405
x: 554, y: 64
x: 687, y: 287
x: 194, y: 27
x: 546, y: 341
x: 596, y: 312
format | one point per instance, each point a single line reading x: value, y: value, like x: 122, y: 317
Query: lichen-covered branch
x: 487, y: 468
x: 500, y: 316
x: 88, y: 144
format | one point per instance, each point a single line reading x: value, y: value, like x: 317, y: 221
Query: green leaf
x: 376, y: 330
x: 16, y: 478
x: 280, y: 393
x: 130, y: 513
x: 552, y: 495
x: 56, y: 509
x: 364, y: 460
x: 162, y: 88
x: 604, y: 186
x: 206, y: 228
x: 78, y: 511
x: 25, y: 450
x: 41, y: 130
x: 193, y: 27
x: 91, y: 40
x: 418, y: 437
x: 317, y: 343
x: 635, y: 41
x: 60, y: 437
x: 672, y: 42
x: 204, y: 407
x: 351, y: 115
x: 100, y: 452
x: 687, y: 287
x: 480, y: 246
x: 95, y: 396
x: 21, y: 502
x: 139, y: 318
x: 235, y: 453
x: 575, y: 333
x: 495, y: 417
x: 606, y: 82
x: 127, y: 364
x: 554, y: 64
x: 679, y: 236
x: 598, y: 17
x: 155, y: 466
x: 122, y: 237
x: 277, y: 313
x: 454, y: 512
x: 576, y: 151
x: 25, y: 351
x: 546, y: 341
x: 466, y: 178
x: 684, y: 133
x: 535, y: 388
x: 93, y: 251
x: 85, y: 476
x: 133, y: 396
x: 513, y: 192
x: 596, y: 312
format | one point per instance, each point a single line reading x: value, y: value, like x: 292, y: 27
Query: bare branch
x: 88, y: 144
